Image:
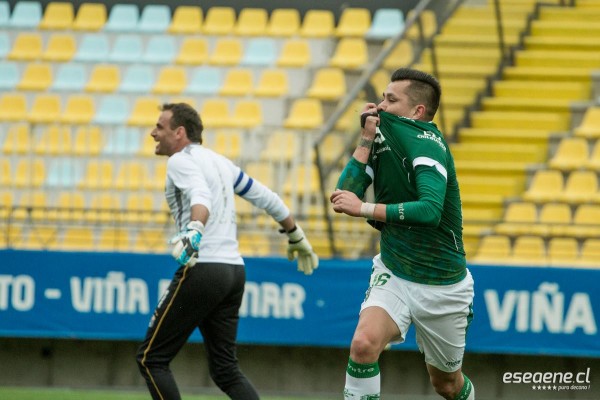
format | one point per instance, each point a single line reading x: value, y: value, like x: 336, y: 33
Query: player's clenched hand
x: 186, y: 243
x: 346, y: 202
x: 299, y: 247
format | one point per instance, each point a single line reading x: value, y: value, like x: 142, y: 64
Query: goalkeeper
x: 420, y: 276
x: 206, y: 291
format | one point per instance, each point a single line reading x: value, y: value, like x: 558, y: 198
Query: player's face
x: 396, y: 101
x: 164, y: 136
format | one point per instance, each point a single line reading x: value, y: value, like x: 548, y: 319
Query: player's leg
x: 219, y: 331
x: 451, y: 385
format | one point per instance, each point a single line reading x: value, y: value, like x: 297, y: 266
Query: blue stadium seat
x: 69, y: 77
x: 155, y: 19
x: 124, y: 140
x: 138, y: 79
x: 4, y: 14
x: 126, y: 49
x: 387, y: 23
x: 123, y: 18
x: 26, y: 15
x: 5, y: 45
x: 94, y: 47
x: 64, y: 172
x: 260, y: 52
x: 205, y: 80
x: 160, y: 50
x: 113, y: 109
x: 9, y: 75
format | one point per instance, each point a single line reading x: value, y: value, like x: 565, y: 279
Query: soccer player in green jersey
x: 420, y: 276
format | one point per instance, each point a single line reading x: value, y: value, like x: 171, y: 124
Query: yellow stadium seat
x: 61, y: 47
x: 5, y: 172
x: 282, y: 145
x: 251, y: 22
x: 132, y: 175
x: 104, y: 207
x: 79, y: 109
x: 151, y: 241
x: 563, y: 252
x: 171, y: 80
x: 18, y: 139
x: 77, y: 239
x: 580, y: 187
x: 227, y: 52
x: 58, y: 15
x: 6, y: 198
x: 262, y: 172
x: 305, y: 180
x: 272, y: 83
x: 31, y: 205
x: 36, y: 77
x: 247, y: 114
x: 88, y: 141
x: 70, y: 206
x: 572, y: 153
x: 187, y: 20
x: 29, y: 173
x: 350, y: 53
x: 594, y: 160
x: 518, y: 219
x: 104, y: 78
x: 140, y: 208
x: 284, y: 22
x: 215, y: 113
x: 529, y: 250
x: 158, y: 175
x: 554, y: 220
x: 401, y: 56
x: 428, y: 23
x: 46, y: 109
x: 145, y: 111
x: 90, y: 17
x: 26, y: 47
x: 98, y: 175
x: 328, y: 84
x: 353, y: 22
x: 41, y: 238
x: 585, y: 222
x: 228, y: 143
x: 219, y: 21
x: 294, y: 53
x: 350, y: 119
x: 193, y: 51
x: 237, y: 82
x: 55, y: 140
x: 494, y: 249
x: 318, y: 24
x: 113, y: 239
x: 590, y: 253
x: 13, y: 107
x: 590, y: 124
x: 304, y: 113
x: 546, y: 185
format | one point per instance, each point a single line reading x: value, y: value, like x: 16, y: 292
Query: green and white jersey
x: 413, y: 173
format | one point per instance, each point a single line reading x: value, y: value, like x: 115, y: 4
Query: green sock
x: 468, y: 390
x: 363, y: 381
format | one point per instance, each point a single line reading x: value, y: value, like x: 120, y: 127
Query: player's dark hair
x: 424, y: 88
x: 185, y: 115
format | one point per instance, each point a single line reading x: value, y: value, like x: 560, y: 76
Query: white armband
x: 367, y: 210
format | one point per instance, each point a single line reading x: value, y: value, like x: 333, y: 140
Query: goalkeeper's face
x: 168, y: 141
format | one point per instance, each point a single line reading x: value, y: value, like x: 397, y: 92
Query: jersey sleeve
x: 356, y: 178
x: 189, y: 178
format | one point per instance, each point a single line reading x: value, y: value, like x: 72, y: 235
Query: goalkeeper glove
x: 185, y: 249
x: 298, y: 246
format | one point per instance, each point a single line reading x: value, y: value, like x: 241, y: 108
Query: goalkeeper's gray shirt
x: 197, y: 175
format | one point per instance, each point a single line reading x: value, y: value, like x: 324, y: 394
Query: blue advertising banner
x: 111, y: 296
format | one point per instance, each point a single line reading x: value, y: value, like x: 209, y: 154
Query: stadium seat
x: 401, y: 56
x: 237, y: 82
x: 294, y: 53
x: 590, y: 253
x: 144, y: 112
x: 350, y: 53
x: 46, y: 108
x: 251, y: 22
x: 571, y: 153
x: 428, y: 22
x: 353, y: 22
x: 93, y: 47
x: 546, y: 185
x: 131, y: 175
x: 113, y: 239
x: 126, y: 49
x: 328, y: 84
x: 89, y: 141
x: 69, y: 77
x: 5, y: 44
x: 529, y: 250
x: 98, y: 175
x: 282, y: 145
x: 151, y: 241
x: 563, y: 252
x: 318, y: 24
x: 247, y: 114
x: 26, y: 15
x: 227, y: 52
x: 590, y: 124
x: 387, y: 23
x: 63, y: 173
x: 593, y: 162
x: 304, y: 113
x: 585, y: 222
x: 160, y: 50
x: 90, y: 17
x: 193, y: 51
x: 155, y: 18
x: 228, y: 142
x: 113, y: 110
x: 55, y: 140
x: 302, y: 181
x: 349, y: 120
x: 30, y: 205
x: 4, y: 14
x: 260, y: 52
x: 123, y: 18
x: 13, y: 107
x: 26, y: 47
x: 61, y: 47
x: 140, y: 208
x: 124, y: 141
x: 36, y: 77
x: 10, y: 75
x: 284, y: 22
x: 171, y: 80
x: 17, y: 141
x: 187, y: 20
x: 137, y: 79
x: 79, y: 109
x: 219, y: 21
x: 205, y: 81
x: 58, y: 16
x: 272, y: 83
x: 29, y: 173
x: 104, y: 78
x: 518, y: 219
x: 554, y: 220
x: 580, y: 187
x: 5, y: 175
x: 215, y: 113
x: 104, y: 207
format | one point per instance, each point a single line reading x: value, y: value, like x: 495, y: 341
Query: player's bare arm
x: 348, y: 203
